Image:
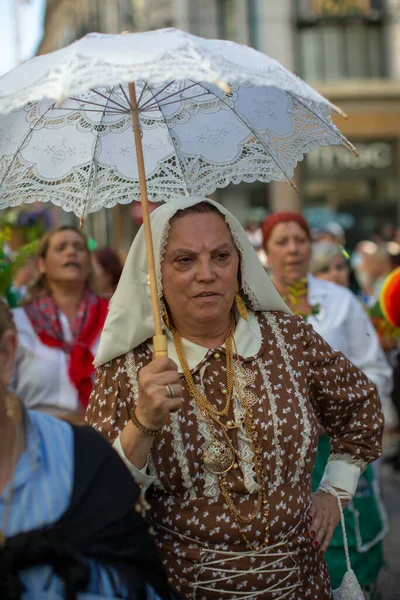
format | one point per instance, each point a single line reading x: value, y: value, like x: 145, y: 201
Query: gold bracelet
x: 142, y: 428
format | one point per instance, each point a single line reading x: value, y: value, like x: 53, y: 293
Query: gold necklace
x: 14, y: 412
x: 198, y: 396
x: 218, y: 452
x: 219, y: 457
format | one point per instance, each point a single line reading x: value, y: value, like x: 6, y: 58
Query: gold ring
x: 170, y: 391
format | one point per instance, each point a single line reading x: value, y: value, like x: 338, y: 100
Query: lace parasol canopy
x: 211, y: 113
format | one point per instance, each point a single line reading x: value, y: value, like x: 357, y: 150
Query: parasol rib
x: 257, y: 137
x: 188, y: 189
x: 345, y: 142
x: 109, y: 99
x: 166, y: 97
x: 93, y: 168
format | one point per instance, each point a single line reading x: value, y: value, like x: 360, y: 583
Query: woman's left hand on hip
x: 324, y: 516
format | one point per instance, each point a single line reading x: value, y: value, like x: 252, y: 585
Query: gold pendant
x: 218, y: 458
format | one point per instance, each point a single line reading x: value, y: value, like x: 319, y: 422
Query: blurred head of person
x: 378, y: 263
x: 329, y: 263
x: 372, y: 263
x: 63, y: 262
x: 333, y: 233
x: 107, y: 269
x: 287, y: 243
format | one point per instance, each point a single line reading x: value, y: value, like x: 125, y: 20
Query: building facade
x: 350, y: 51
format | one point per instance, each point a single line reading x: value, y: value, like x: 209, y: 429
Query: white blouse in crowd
x: 40, y: 378
x: 344, y: 324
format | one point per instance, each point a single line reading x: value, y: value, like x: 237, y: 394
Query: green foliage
x: 11, y: 264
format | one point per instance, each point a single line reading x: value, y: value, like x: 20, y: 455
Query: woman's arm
x: 112, y: 399
x: 348, y: 407
x: 108, y: 413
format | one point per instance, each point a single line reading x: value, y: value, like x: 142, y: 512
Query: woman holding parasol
x: 222, y: 434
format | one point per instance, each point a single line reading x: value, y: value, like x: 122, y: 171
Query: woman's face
x: 199, y: 270
x: 288, y: 251
x: 337, y: 271
x: 67, y: 259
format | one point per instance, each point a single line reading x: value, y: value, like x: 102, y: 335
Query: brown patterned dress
x: 295, y: 382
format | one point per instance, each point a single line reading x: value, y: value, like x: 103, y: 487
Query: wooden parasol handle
x: 159, y: 340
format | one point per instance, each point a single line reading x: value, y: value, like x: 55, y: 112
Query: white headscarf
x: 130, y: 321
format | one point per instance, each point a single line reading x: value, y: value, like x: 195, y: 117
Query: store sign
x: 342, y: 9
x: 374, y: 157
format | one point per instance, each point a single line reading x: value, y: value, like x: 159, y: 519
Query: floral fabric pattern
x: 298, y: 383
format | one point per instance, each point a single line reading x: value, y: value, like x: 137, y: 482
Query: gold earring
x: 240, y: 305
x: 165, y: 315
x: 13, y: 408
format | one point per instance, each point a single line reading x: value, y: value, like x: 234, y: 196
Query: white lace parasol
x: 69, y: 137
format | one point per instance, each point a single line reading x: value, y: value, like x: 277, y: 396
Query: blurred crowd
x: 363, y: 270
x: 63, y: 293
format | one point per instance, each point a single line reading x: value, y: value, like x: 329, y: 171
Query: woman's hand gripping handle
x: 160, y: 393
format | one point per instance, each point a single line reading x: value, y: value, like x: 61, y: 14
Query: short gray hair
x: 322, y: 254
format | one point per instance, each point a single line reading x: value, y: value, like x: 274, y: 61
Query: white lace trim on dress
x: 306, y: 425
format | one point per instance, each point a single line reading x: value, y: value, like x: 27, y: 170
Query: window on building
x: 227, y: 19
x: 340, y: 40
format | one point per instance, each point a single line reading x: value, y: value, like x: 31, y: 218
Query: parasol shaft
x: 159, y: 340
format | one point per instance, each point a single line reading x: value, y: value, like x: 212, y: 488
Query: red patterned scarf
x: 85, y: 328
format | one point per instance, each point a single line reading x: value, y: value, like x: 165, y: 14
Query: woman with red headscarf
x: 59, y: 329
x: 336, y: 314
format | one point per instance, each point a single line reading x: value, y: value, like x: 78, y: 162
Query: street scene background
x: 349, y: 50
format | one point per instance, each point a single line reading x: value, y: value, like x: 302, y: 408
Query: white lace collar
x: 247, y: 337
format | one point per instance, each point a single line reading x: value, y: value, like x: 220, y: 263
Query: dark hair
x: 109, y: 262
x: 196, y: 209
x: 40, y: 284
x: 6, y: 319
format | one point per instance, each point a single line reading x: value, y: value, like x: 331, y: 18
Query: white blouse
x: 344, y: 324
x: 40, y: 378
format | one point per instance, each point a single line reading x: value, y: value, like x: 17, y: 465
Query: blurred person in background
x: 107, y: 269
x: 372, y: 264
x: 333, y: 233
x: 337, y: 315
x: 68, y: 526
x: 329, y: 263
x: 59, y: 329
